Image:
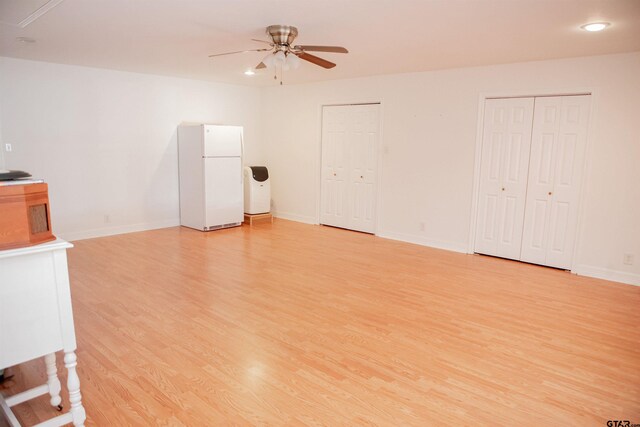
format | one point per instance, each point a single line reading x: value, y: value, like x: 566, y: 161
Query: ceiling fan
x: 284, y: 54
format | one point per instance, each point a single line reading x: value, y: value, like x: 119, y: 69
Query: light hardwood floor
x: 294, y: 324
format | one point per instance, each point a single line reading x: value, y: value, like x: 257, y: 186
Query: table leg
x: 52, y: 380
x: 73, y: 384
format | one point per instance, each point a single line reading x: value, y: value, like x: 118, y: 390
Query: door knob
x: 334, y: 174
x: 361, y: 177
x: 550, y: 193
x: 502, y: 188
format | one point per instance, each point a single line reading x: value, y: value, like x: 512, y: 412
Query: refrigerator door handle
x: 241, y: 153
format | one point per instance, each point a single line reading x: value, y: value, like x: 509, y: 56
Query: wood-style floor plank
x: 294, y: 324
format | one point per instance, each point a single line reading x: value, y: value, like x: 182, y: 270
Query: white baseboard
x: 607, y: 274
x: 121, y: 229
x: 581, y: 270
x: 438, y: 244
x: 295, y: 217
x: 448, y: 246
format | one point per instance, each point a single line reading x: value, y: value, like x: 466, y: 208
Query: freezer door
x: 223, y: 191
x: 222, y: 141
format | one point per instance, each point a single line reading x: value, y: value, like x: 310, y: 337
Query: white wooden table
x: 36, y: 321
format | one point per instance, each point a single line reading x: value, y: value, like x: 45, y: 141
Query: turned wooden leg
x: 73, y: 384
x: 52, y: 380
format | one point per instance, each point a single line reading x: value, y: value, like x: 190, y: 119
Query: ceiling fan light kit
x: 288, y: 61
x: 284, y: 54
x: 292, y: 62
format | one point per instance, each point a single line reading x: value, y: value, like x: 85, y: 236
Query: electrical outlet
x: 8, y: 148
x: 107, y: 219
x: 422, y: 226
x: 627, y: 259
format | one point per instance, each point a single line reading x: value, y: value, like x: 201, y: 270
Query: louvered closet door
x: 557, y: 158
x: 503, y: 176
x: 349, y: 162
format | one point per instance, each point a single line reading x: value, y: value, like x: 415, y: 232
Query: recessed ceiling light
x: 25, y: 40
x: 595, y: 26
x: 249, y: 73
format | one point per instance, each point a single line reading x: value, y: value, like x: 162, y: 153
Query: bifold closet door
x: 557, y: 157
x: 349, y: 162
x: 503, y: 176
x: 334, y: 174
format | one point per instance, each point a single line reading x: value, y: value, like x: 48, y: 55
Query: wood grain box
x: 24, y: 215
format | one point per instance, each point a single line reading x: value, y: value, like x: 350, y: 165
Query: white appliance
x: 257, y: 190
x: 210, y: 169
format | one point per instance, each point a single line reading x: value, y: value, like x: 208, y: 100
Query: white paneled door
x: 557, y: 155
x: 532, y: 155
x: 349, y: 162
x: 334, y: 166
x: 503, y: 180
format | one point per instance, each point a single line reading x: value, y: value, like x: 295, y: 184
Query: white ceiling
x: 175, y: 37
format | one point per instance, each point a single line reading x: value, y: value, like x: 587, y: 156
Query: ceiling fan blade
x: 239, y: 51
x: 263, y: 41
x: 334, y: 49
x: 315, y: 60
x: 260, y: 66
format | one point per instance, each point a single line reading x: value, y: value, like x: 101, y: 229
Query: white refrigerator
x: 210, y: 170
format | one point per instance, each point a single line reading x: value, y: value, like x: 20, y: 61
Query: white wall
x: 105, y: 141
x: 429, y: 128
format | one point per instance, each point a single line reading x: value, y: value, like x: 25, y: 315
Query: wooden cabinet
x: 25, y: 219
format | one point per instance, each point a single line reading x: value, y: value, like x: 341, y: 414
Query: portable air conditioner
x: 257, y: 190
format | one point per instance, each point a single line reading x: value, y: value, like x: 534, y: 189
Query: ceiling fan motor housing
x: 282, y: 35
